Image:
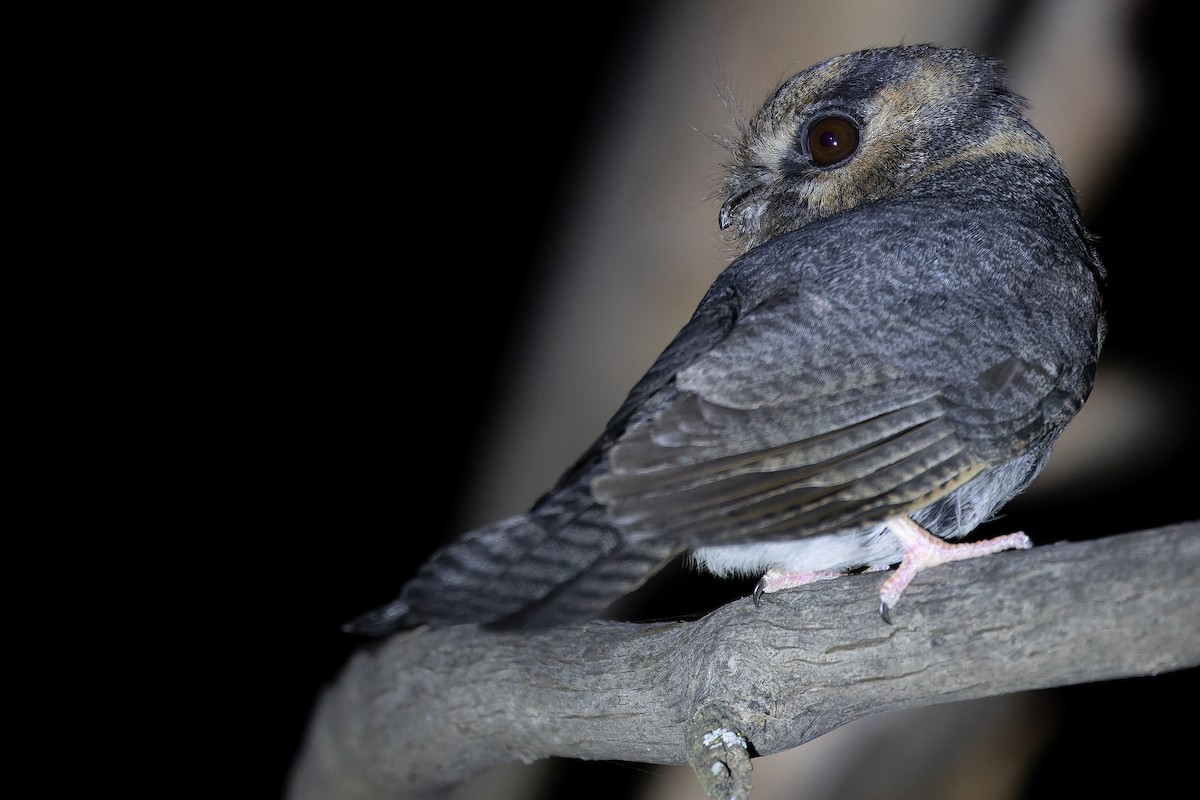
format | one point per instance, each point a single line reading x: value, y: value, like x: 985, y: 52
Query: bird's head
x: 865, y: 126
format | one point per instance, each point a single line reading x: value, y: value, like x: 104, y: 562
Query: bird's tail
x: 554, y: 565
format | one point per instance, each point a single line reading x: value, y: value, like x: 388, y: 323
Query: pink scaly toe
x: 922, y: 550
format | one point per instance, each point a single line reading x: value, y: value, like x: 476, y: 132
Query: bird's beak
x: 725, y: 217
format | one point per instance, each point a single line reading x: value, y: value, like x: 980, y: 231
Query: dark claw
x: 758, y: 593
x: 885, y: 612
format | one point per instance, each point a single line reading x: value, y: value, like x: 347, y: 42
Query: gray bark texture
x: 412, y: 715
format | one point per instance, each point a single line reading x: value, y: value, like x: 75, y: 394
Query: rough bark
x: 414, y: 714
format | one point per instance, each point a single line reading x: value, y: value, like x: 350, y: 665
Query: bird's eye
x: 831, y: 140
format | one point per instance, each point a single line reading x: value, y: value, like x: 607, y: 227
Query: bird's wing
x: 712, y: 321
x: 830, y: 406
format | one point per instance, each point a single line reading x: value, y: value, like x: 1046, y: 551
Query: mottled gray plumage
x: 916, y: 317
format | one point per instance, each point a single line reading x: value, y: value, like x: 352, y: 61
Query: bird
x: 913, y: 314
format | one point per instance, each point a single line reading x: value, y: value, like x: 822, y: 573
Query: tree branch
x: 423, y: 710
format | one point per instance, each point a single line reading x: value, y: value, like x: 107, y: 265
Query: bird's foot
x: 775, y: 579
x: 922, y: 549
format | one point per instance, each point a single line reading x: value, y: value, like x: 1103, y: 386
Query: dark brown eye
x: 832, y: 139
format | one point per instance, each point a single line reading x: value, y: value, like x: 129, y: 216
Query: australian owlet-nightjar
x: 916, y: 315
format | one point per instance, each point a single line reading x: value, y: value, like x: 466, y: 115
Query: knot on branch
x: 719, y: 754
